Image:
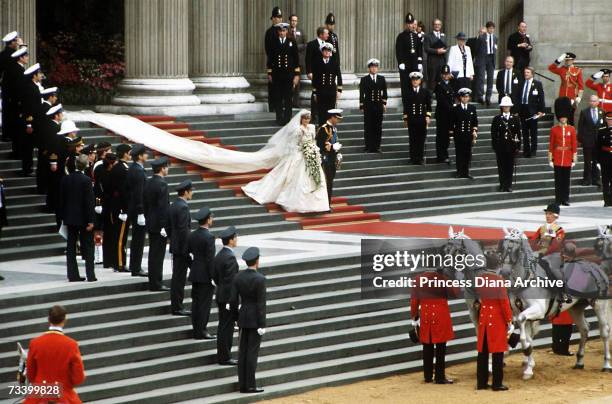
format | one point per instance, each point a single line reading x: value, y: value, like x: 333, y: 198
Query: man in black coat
x: 531, y: 107
x: 135, y: 182
x: 57, y: 149
x: 31, y: 110
x: 417, y: 114
x: 409, y: 53
x: 506, y: 141
x: 179, y: 220
x: 119, y: 207
x: 326, y: 83
x: 201, y: 247
x: 156, y: 206
x: 603, y: 149
x: 12, y: 83
x: 11, y: 44
x: 102, y: 189
x: 76, y: 210
x: 508, y: 82
x: 445, y: 101
x: 283, y: 72
x: 314, y: 54
x: 519, y: 46
x: 225, y: 268
x: 373, y: 103
x: 41, y: 128
x: 249, y: 292
x: 591, y: 119
x: 436, y: 47
x: 485, y: 56
x: 327, y: 141
x: 464, y: 131
x: 269, y: 38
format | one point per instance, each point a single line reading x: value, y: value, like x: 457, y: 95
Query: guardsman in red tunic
x: 562, y: 325
x: 562, y: 150
x: 604, y: 89
x: 494, y: 326
x: 429, y: 306
x: 54, y: 358
x: 571, y: 80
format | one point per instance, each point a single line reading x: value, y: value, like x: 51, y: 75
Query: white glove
x: 261, y: 331
x: 598, y: 166
x: 141, y: 220
x: 123, y: 217
x: 420, y: 67
x: 402, y: 66
x: 416, y: 323
x: 163, y: 233
x: 572, y: 102
x: 227, y: 306
x: 98, y: 209
x: 213, y: 283
x: 578, y: 99
x: 337, y: 146
x: 598, y: 75
x: 561, y: 58
x: 573, y: 164
x: 551, y: 164
x: 510, y: 329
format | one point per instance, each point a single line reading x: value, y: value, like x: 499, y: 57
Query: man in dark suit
x: 373, y: 103
x: 326, y: 82
x: 269, y: 38
x: 327, y: 141
x: 135, y: 182
x: 11, y: 44
x: 283, y: 72
x: 409, y: 53
x: 249, y: 292
x: 508, y: 83
x: 12, y: 82
x: 119, y: 208
x: 486, y: 53
x: 591, y: 119
x: 445, y: 101
x: 76, y: 210
x: 179, y: 219
x: 519, y: 46
x: 49, y: 99
x: 436, y: 47
x: 31, y: 111
x: 531, y: 108
x: 417, y: 114
x: 156, y: 205
x: 464, y: 131
x: 225, y: 268
x: 201, y: 246
x: 313, y: 54
x: 49, y: 140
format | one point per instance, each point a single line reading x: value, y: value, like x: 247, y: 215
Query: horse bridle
x: 514, y: 261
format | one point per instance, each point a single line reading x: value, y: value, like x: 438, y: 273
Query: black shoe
x: 162, y: 288
x: 230, y: 362
x: 509, y: 189
x: 140, y: 273
x: 444, y: 381
x: 488, y: 103
x: 121, y: 269
x: 92, y: 280
x: 181, y: 313
x: 565, y: 204
x: 252, y: 390
x: 485, y: 387
x: 209, y: 336
x: 428, y: 381
x: 79, y: 279
x: 500, y: 388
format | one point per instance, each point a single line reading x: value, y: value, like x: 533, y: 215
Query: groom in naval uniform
x: 327, y: 141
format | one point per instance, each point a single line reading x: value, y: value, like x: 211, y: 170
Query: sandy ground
x: 554, y: 382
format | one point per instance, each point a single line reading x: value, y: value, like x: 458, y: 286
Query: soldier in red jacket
x: 562, y: 150
x: 604, y: 89
x: 54, y: 358
x: 571, y: 80
x: 494, y: 326
x: 562, y: 325
x: 429, y: 306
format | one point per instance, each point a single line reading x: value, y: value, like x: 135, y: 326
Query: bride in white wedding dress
x: 297, y: 182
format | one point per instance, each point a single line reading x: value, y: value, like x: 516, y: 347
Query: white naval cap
x: 20, y: 52
x: 373, y: 61
x: 506, y: 102
x: 327, y: 45
x: 282, y: 25
x: 32, y: 69
x: 416, y: 75
x: 49, y: 90
x: 335, y: 112
x: 55, y: 110
x: 10, y: 36
x: 464, y: 91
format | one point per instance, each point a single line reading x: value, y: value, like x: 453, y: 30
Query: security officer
x: 429, y: 307
x: 270, y: 37
x: 225, y: 268
x: 330, y: 24
x: 445, y: 101
x: 562, y: 150
x: 31, y: 111
x: 283, y: 72
x: 373, y: 103
x: 464, y: 131
x: 249, y: 293
x: 119, y: 207
x: 604, y: 89
x: 506, y: 141
x: 201, y: 246
x: 409, y: 53
x: 571, y: 80
x: 604, y: 157
x: 326, y: 82
x: 327, y: 141
x: 179, y: 219
x: 135, y: 183
x: 156, y: 206
x: 417, y: 114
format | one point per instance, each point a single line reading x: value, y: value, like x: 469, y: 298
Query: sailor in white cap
x: 12, y: 80
x: 326, y: 82
x: 30, y: 117
x: 464, y: 130
x: 506, y: 140
x: 283, y: 68
x: 373, y: 103
x: 11, y: 44
x: 417, y: 114
x: 49, y: 98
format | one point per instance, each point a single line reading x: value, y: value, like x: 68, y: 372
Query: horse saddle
x: 585, y: 279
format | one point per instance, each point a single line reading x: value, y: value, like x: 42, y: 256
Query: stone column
x: 156, y: 52
x: 217, y: 51
x: 468, y: 16
x: 20, y: 15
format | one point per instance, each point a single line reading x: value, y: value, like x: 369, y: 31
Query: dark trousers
x: 53, y: 187
x: 325, y: 102
x: 442, y: 139
x: 606, y: 178
x: 248, y: 352
x: 6, y: 129
x: 329, y: 169
x: 201, y: 299
x: 225, y: 333
x: 120, y: 230
x: 417, y: 132
x: 434, y: 63
x: 482, y: 366
x: 180, y: 263
x: 463, y: 155
x: 26, y: 150
x: 109, y: 241
x: 157, y: 252
x: 372, y: 120
x: 136, y: 244
x: 405, y: 85
x: 87, y: 251
x: 530, y: 132
x: 271, y: 100
x: 42, y: 171
x: 428, y: 361
x: 283, y: 99
x: 562, y: 184
x: 505, y: 168
x: 486, y: 67
x: 590, y: 174
x: 561, y: 334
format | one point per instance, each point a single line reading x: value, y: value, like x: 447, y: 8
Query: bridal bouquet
x: 313, y: 162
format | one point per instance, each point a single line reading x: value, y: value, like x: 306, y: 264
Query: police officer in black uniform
x: 373, y: 103
x: 225, y: 268
x: 327, y: 141
x: 603, y: 149
x: 464, y: 130
x: 445, y: 101
x: 269, y: 38
x: 330, y: 24
x: 103, y: 189
x: 201, y: 246
x: 326, y: 82
x: 31, y: 111
x: 506, y: 137
x: 179, y: 219
x: 119, y: 207
x: 156, y: 206
x: 249, y: 291
x: 409, y: 53
x: 417, y: 114
x: 135, y: 182
x: 283, y: 72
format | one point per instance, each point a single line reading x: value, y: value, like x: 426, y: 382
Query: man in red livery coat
x: 604, y: 89
x: 435, y: 320
x: 562, y: 150
x: 561, y: 333
x: 549, y: 237
x: 54, y: 358
x: 494, y: 326
x: 571, y: 80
